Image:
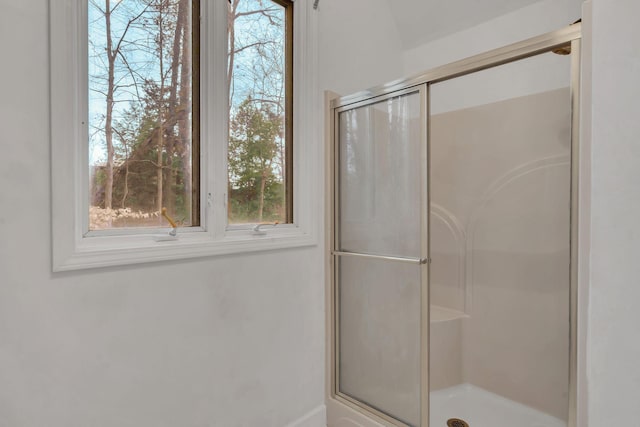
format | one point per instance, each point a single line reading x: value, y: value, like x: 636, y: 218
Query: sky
x: 139, y: 49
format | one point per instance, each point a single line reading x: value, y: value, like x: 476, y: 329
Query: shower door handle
x: 384, y: 257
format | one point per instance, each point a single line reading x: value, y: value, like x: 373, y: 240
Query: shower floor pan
x: 480, y: 408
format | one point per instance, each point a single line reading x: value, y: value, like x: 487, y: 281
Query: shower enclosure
x: 453, y: 243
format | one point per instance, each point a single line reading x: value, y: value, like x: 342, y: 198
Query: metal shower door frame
x: 422, y: 260
x: 567, y: 37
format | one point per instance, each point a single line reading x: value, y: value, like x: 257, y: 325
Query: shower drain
x: 456, y: 422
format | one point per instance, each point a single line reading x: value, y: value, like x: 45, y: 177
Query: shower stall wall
x: 452, y: 239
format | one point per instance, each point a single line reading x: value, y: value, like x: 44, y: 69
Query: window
x: 260, y: 110
x: 186, y: 106
x: 143, y: 139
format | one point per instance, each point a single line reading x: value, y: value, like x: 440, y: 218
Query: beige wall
x: 502, y: 170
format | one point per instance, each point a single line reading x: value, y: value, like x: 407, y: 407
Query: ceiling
x: 421, y: 21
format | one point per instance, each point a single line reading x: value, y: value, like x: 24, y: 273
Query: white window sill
x: 109, y: 251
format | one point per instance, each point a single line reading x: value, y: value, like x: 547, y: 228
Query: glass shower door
x: 454, y: 243
x: 500, y: 143
x: 380, y: 235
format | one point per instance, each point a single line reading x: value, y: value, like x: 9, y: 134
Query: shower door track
x: 568, y: 37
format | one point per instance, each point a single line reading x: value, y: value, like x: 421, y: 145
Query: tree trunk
x: 263, y: 182
x: 126, y: 175
x: 174, y: 145
x: 160, y: 147
x: 112, y: 55
x: 185, y: 133
x: 108, y: 127
x: 231, y: 38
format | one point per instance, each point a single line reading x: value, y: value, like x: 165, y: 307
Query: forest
x: 144, y: 113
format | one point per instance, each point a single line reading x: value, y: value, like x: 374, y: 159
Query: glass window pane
x: 260, y: 128
x: 140, y: 113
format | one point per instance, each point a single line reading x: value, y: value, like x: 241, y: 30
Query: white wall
x: 613, y: 343
x: 226, y: 341
x: 359, y: 45
x: 530, y: 21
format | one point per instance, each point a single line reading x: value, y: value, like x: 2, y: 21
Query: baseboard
x: 317, y: 417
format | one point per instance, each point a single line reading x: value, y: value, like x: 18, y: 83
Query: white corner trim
x: 317, y: 417
x: 584, y: 217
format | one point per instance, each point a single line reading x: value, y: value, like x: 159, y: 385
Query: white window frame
x: 75, y: 248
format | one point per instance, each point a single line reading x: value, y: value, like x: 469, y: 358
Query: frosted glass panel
x: 379, y: 172
x: 500, y: 228
x: 379, y: 333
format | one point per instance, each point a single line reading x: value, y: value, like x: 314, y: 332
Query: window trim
x: 73, y: 250
x: 289, y: 77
